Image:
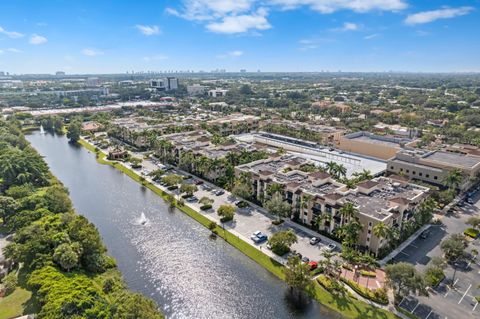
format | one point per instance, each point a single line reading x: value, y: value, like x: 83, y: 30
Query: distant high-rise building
x: 59, y: 73
x: 93, y: 81
x: 2, y: 73
x: 243, y: 71
x: 167, y: 84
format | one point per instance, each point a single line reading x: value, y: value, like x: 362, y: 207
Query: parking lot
x: 251, y: 219
x: 445, y: 301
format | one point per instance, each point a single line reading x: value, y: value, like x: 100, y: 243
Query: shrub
x: 433, y: 276
x: 477, y: 298
x: 316, y: 271
x: 378, y: 295
x: 471, y: 232
x: 280, y: 250
x: 10, y: 282
x: 347, y: 266
x: 330, y: 285
x: 366, y: 273
x: 206, y: 207
x: 277, y: 222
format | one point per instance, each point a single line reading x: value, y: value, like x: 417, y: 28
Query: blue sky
x: 106, y: 36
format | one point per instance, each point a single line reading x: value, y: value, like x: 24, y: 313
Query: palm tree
x: 331, y: 168
x: 341, y: 171
x: 274, y: 188
x: 380, y: 230
x: 364, y: 175
x: 348, y: 211
x: 453, y: 179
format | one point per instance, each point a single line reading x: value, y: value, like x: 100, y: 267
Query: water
x: 163, y: 253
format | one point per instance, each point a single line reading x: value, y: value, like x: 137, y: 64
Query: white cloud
x: 11, y: 34
x: 329, y: 6
x: 313, y: 43
x: 347, y: 26
x: 211, y: 9
x: 231, y: 54
x: 430, y: 16
x: 36, y: 39
x: 157, y: 57
x: 13, y: 50
x: 148, y: 29
x: 371, y: 36
x: 91, y: 52
x: 240, y: 16
x: 241, y: 23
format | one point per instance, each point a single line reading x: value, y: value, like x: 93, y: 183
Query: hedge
x: 378, y: 295
x: 366, y: 273
x: 471, y: 232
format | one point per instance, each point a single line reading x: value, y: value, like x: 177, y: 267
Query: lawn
x: 347, y: 306
x: 12, y: 305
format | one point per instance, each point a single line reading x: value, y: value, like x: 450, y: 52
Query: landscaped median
x: 346, y: 305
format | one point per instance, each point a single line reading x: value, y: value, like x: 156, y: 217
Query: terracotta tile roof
x: 319, y: 175
x: 367, y: 184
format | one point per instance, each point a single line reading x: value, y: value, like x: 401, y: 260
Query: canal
x: 170, y: 258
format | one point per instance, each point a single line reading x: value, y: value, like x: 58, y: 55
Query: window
x: 427, y: 175
x: 420, y: 174
x: 435, y: 177
x: 369, y: 231
x: 369, y: 224
x: 391, y: 167
x: 413, y: 173
x: 408, y: 171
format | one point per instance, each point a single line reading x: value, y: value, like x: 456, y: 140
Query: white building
x: 217, y: 93
x: 196, y: 89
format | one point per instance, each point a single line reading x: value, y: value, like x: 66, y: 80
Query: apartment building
x: 313, y: 194
x: 236, y: 123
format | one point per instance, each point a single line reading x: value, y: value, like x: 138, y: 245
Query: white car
x: 331, y: 247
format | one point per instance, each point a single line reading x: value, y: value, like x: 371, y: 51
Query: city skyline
x: 273, y: 36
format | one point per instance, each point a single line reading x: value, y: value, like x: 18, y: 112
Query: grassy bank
x: 345, y: 305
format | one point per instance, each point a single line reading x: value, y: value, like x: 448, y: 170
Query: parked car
x: 192, y: 199
x: 198, y: 182
x: 314, y: 240
x: 425, y: 234
x: 313, y: 265
x: 219, y: 192
x: 258, y: 237
x: 305, y: 259
x: 331, y: 247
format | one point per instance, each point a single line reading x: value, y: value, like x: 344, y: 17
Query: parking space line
x: 448, y: 290
x: 413, y: 246
x: 402, y: 252
x: 465, y: 293
x: 418, y: 303
x: 429, y: 314
x: 474, y: 307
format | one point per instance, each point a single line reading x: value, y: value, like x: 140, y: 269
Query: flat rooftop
x: 318, y: 154
x: 378, y: 139
x: 453, y: 158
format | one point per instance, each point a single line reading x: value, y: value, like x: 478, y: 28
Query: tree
x: 172, y: 179
x: 57, y: 199
x: 404, y: 279
x: 74, y: 130
x: 10, y: 282
x: 242, y: 189
x: 474, y: 221
x: 157, y: 174
x: 453, y: 248
x: 380, y: 230
x: 66, y: 256
x: 363, y: 175
x: 281, y: 241
x: 277, y: 206
x: 189, y: 189
x: 226, y: 212
x: 348, y: 211
x: 297, y: 275
x: 206, y: 201
x: 453, y: 179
